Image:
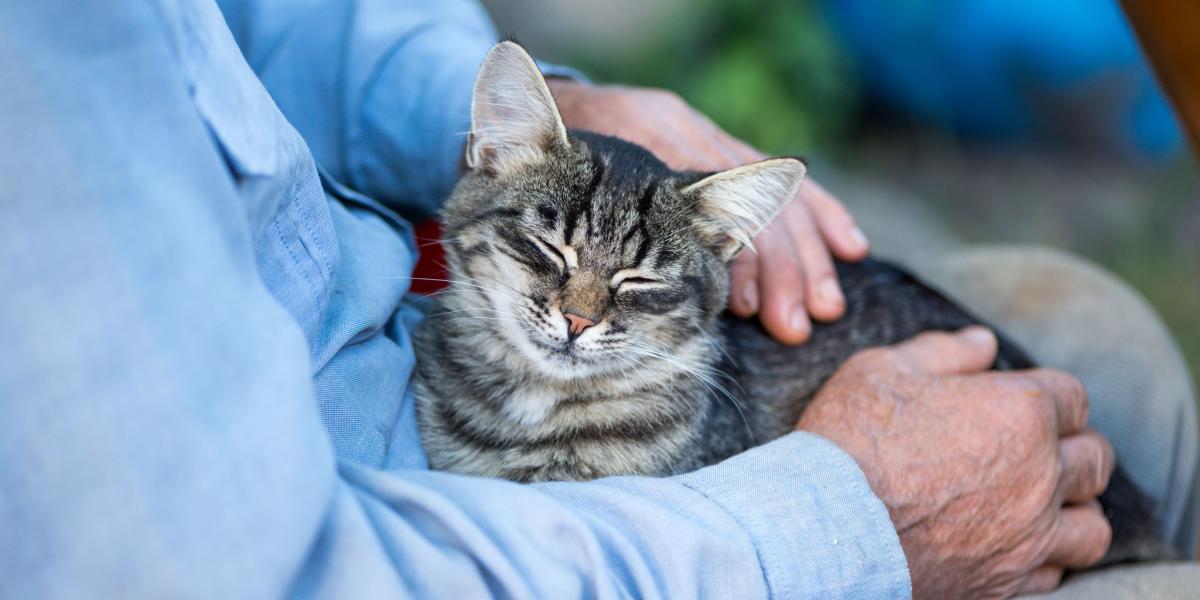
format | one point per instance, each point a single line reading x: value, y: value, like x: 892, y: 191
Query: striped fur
x: 600, y: 229
x: 663, y: 382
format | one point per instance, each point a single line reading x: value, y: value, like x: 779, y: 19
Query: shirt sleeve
x: 791, y: 519
x: 158, y: 434
x: 380, y: 89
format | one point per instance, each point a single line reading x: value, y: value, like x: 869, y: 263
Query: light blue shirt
x: 204, y: 356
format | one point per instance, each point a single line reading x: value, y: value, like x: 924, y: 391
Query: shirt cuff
x: 814, y: 521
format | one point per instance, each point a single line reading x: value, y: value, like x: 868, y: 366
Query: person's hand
x: 791, y: 275
x: 990, y: 478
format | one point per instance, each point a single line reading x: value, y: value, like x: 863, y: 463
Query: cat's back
x: 885, y: 304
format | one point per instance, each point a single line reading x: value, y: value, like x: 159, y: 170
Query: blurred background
x: 949, y: 121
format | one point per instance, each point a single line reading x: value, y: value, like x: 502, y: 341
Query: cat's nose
x: 576, y: 324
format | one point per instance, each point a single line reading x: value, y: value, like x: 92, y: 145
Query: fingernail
x: 799, y: 320
x: 977, y: 336
x: 830, y: 291
x: 749, y: 295
x: 859, y: 237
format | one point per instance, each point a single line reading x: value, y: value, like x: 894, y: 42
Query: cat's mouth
x: 563, y: 350
x: 565, y: 360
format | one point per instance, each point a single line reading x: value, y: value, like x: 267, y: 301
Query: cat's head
x: 585, y: 254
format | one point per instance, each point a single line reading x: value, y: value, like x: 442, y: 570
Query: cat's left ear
x: 514, y: 120
x: 737, y: 204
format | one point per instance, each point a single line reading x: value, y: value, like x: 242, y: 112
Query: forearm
x: 380, y: 90
x: 792, y: 519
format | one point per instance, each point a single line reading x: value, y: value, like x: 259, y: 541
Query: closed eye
x: 639, y: 280
x: 551, y: 251
x: 636, y: 282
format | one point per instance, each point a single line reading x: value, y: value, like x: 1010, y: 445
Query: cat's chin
x: 565, y: 364
x: 562, y: 365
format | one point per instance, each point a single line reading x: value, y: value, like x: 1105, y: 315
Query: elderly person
x: 204, y: 254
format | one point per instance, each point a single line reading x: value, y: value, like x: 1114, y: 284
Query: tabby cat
x: 583, y: 331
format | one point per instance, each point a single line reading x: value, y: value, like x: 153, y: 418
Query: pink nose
x: 576, y: 324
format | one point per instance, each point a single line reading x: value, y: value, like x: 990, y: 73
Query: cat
x: 583, y: 332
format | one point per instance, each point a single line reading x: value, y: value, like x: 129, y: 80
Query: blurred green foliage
x: 767, y: 71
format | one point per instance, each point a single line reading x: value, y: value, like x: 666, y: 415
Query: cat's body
x: 583, y: 332
x: 727, y: 389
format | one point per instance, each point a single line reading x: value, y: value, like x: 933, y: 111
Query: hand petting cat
x: 990, y: 477
x: 790, y: 277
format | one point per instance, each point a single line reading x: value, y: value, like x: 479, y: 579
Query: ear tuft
x: 739, y: 203
x: 514, y: 120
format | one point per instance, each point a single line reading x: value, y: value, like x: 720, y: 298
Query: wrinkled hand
x: 989, y: 477
x: 791, y: 275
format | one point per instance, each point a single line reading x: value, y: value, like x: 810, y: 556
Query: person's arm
x: 381, y: 91
x: 158, y: 434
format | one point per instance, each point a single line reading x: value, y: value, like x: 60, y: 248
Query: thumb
x: 969, y: 350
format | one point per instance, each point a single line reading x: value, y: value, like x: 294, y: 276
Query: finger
x: 1070, y: 398
x: 833, y: 221
x: 1043, y: 579
x: 743, y: 284
x: 781, y: 289
x: 1081, y: 536
x: 968, y: 350
x: 822, y: 294
x: 847, y: 241
x: 718, y: 145
x: 1088, y: 462
x: 745, y: 152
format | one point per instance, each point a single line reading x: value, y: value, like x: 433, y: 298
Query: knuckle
x: 1103, y: 464
x: 1028, y: 409
x: 1031, y: 404
x: 1051, y: 483
x: 871, y: 356
x: 1080, y: 392
x: 1072, y: 391
x: 667, y: 98
x: 1073, y: 388
x: 1095, y: 474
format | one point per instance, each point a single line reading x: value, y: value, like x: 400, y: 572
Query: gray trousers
x: 1073, y: 316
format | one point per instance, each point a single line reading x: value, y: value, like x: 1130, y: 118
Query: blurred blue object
x: 1023, y: 70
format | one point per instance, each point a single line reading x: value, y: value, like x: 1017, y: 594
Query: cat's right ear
x: 514, y: 120
x: 737, y: 204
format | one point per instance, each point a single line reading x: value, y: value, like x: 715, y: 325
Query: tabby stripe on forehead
x: 647, y: 200
x: 637, y: 227
x: 643, y: 208
x: 643, y: 249
x: 584, y: 202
